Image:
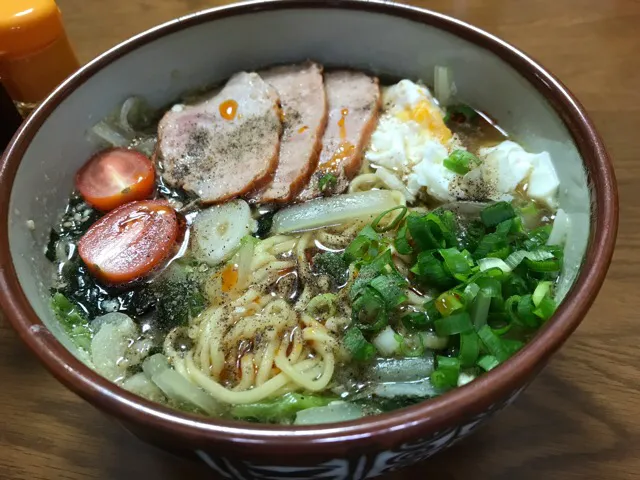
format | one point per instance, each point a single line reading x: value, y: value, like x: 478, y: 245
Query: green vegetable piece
x: 495, y: 244
x: 380, y: 265
x: 488, y: 362
x: 72, y: 321
x: 453, y: 324
x: 402, y: 242
x: 334, y: 265
x: 355, y: 343
x: 546, y: 308
x: 364, y: 247
x: 492, y: 343
x: 327, y: 181
x: 369, y: 311
x: 459, y: 264
x: 393, y: 224
x: 431, y: 271
x: 392, y: 288
x: 497, y: 213
x: 434, y: 230
x: 282, y: 409
x: 322, y: 306
x: 537, y: 237
x: 553, y: 264
x: 448, y: 303
x: 469, y: 349
x: 447, y: 372
x: 409, y: 347
x: 461, y: 162
x: 416, y: 320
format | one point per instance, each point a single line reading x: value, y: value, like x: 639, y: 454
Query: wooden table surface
x: 579, y: 420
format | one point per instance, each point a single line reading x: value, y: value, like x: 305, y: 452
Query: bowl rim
x: 397, y: 426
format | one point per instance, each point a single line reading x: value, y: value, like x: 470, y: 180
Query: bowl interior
x: 209, y: 51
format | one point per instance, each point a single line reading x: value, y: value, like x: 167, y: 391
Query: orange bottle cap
x: 27, y: 26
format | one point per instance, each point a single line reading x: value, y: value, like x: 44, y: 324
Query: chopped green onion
x: 392, y: 288
x: 540, y: 292
x: 368, y: 311
x: 547, y: 259
x: 516, y: 258
x: 326, y: 181
x: 537, y: 237
x: 511, y: 346
x: 458, y: 263
x: 489, y: 285
x: 470, y: 292
x: 433, y: 230
x: 322, y: 306
x: 490, y: 243
x: 497, y: 213
x: 430, y: 270
x: 480, y: 309
x: 364, y: 247
x: 514, y: 285
x: 431, y: 310
x: 408, y: 350
x: 488, y: 362
x: 416, y: 320
x: 357, y: 345
x: 546, y: 308
x: 492, y: 343
x: 446, y: 373
x: 454, y: 324
x: 490, y: 263
x: 469, y: 349
x: 401, y: 242
x: 526, y: 313
x: 393, y: 224
x: 461, y: 162
x: 448, y: 303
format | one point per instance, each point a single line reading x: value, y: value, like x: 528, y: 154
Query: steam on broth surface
x: 305, y: 246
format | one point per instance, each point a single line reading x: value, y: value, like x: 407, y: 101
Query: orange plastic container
x: 35, y: 53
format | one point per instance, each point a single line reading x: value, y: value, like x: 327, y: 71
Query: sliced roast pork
x: 304, y: 105
x: 225, y: 146
x: 354, y: 107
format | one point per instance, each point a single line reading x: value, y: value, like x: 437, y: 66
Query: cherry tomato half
x: 130, y: 241
x: 114, y: 177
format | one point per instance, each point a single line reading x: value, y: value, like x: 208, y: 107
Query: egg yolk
x: 429, y: 117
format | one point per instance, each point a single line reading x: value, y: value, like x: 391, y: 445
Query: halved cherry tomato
x: 114, y: 177
x: 130, y: 241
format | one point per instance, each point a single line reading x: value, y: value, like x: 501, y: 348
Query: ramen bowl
x: 37, y: 171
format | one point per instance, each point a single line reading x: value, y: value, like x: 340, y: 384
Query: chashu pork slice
x: 223, y: 147
x: 354, y: 102
x: 304, y: 105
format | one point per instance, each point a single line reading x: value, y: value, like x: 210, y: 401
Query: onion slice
x: 323, y: 212
x: 443, y: 87
x: 334, y: 412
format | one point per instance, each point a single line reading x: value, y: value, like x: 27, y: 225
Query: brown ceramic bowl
x: 37, y: 170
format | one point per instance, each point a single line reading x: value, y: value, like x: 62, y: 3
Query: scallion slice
x: 497, y: 213
x: 488, y: 362
x: 446, y: 373
x: 453, y: 324
x: 469, y: 349
x: 492, y: 343
x: 461, y: 162
x: 355, y: 343
x: 393, y: 224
